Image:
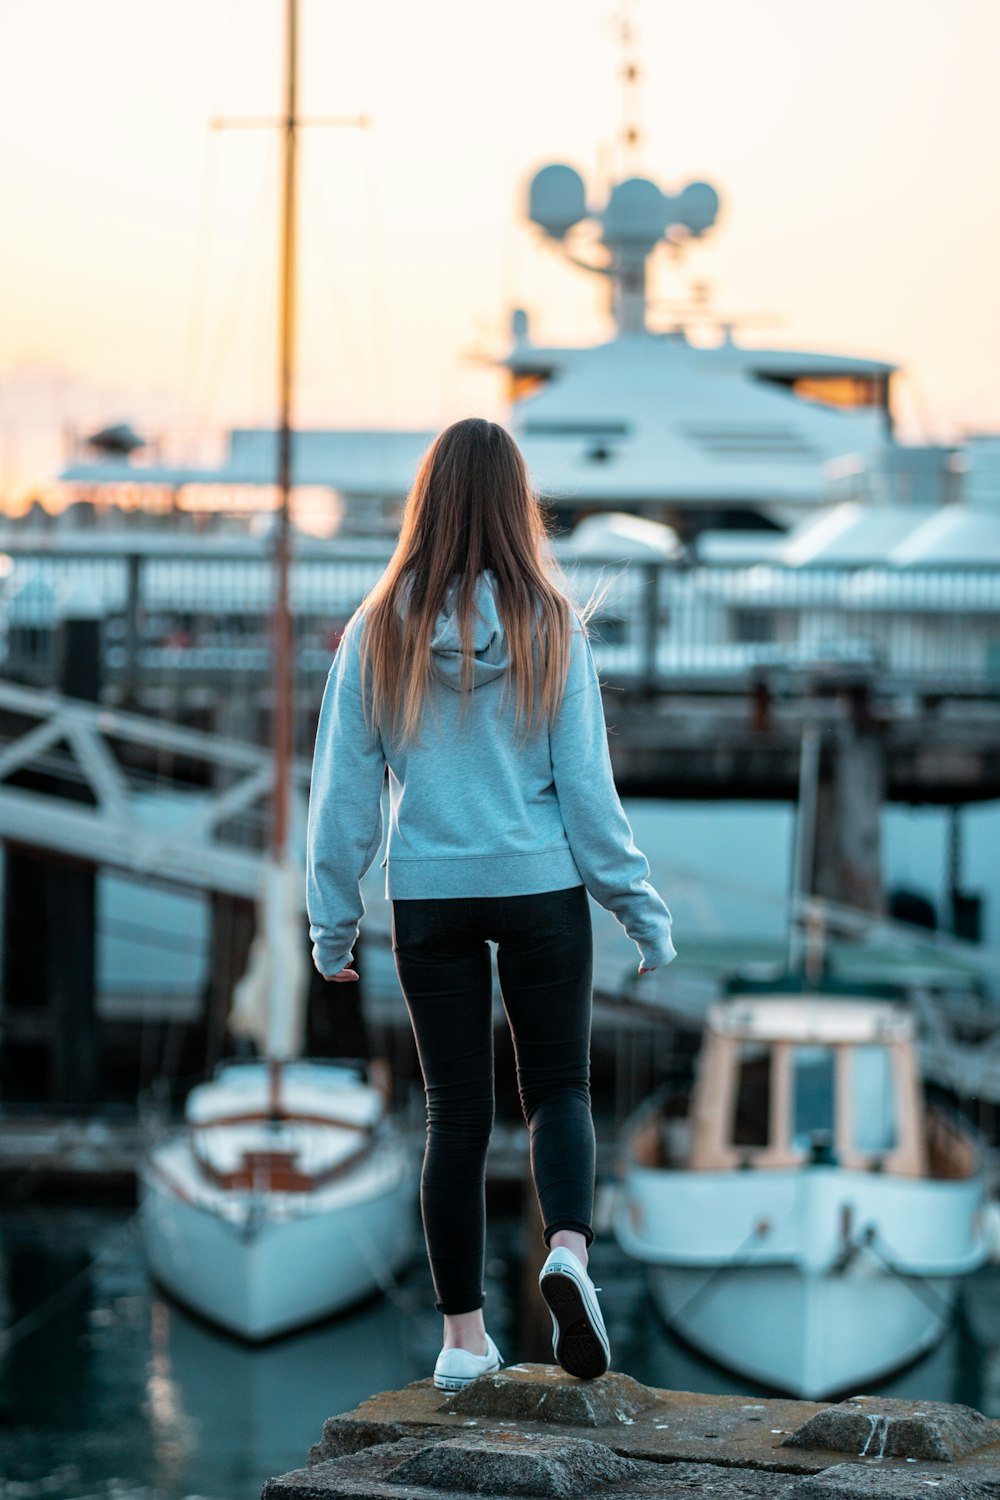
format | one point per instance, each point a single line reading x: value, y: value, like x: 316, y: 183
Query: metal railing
x: 198, y: 612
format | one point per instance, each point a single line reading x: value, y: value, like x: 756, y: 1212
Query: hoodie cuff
x: 655, y: 955
x: 332, y: 965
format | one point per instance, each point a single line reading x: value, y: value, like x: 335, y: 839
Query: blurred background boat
x: 804, y: 1215
x: 287, y: 1195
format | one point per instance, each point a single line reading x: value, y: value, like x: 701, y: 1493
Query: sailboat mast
x: 283, y: 652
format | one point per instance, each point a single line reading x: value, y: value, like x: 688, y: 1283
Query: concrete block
x: 900, y: 1480
x: 543, y: 1393
x: 634, y: 1420
x: 871, y: 1426
x: 343, y: 1435
x: 514, y: 1463
x: 533, y: 1430
x: 509, y: 1464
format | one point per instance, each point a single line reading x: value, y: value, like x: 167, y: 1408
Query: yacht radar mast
x: 636, y: 219
x: 631, y: 73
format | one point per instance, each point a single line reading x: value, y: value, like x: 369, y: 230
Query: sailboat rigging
x: 287, y: 1194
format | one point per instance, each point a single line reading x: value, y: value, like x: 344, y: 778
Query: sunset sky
x: 856, y: 148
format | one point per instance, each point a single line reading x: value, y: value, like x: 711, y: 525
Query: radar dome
x: 636, y: 214
x: 557, y: 199
x: 696, y: 207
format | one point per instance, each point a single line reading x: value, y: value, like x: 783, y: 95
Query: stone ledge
x: 384, y: 1472
x: 391, y: 1471
x: 677, y: 1426
x: 532, y: 1430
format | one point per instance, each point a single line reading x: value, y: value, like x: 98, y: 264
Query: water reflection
x: 106, y: 1385
x: 252, y: 1410
x: 174, y: 1433
x: 116, y: 1382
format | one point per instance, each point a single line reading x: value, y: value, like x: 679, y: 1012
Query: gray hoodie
x: 473, y: 811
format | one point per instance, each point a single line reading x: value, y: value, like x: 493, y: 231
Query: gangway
x: 218, y: 845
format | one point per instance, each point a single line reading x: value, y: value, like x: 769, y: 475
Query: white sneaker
x: 579, y: 1339
x: 455, y: 1368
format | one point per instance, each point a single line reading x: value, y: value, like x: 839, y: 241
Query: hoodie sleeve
x: 344, y: 829
x: 614, y: 871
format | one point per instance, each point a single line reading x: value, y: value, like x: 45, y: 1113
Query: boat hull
x: 814, y: 1280
x: 259, y: 1267
x: 810, y: 1334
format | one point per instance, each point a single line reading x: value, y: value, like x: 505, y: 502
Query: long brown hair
x: 471, y: 508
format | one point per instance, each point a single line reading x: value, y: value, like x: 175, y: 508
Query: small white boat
x: 805, y: 1216
x: 286, y: 1195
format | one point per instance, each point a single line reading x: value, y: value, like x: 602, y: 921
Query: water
x: 119, y: 1389
x: 108, y: 1388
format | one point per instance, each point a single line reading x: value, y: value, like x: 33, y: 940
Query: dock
x: 715, y: 686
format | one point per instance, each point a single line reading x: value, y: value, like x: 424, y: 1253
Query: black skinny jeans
x: 545, y: 968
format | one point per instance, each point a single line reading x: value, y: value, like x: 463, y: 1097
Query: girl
x: 468, y: 672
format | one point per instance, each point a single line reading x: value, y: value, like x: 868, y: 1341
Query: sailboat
x: 287, y: 1193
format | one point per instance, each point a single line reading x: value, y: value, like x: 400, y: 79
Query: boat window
x: 812, y: 1097
x: 753, y: 1095
x: 840, y: 390
x: 873, y: 1103
x: 524, y: 383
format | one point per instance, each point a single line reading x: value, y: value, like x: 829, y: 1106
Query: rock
x: 901, y: 1481
x: 533, y: 1430
x: 688, y: 1481
x: 667, y: 1426
x: 873, y: 1427
x: 512, y: 1463
x: 348, y: 1435
x: 413, y: 1469
x: 544, y: 1393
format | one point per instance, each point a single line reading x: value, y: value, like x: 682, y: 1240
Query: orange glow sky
x: 856, y: 147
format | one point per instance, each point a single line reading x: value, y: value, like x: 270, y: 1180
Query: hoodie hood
x: 489, y: 641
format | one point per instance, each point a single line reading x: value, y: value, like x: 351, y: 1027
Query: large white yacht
x: 655, y: 422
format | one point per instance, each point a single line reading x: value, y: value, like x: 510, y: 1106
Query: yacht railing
x: 199, y: 611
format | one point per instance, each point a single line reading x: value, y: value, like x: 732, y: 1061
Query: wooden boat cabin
x: 806, y: 1081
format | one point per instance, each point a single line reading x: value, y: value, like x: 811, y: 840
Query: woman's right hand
x: 646, y: 971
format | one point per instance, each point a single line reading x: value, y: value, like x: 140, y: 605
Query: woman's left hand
x: 344, y: 977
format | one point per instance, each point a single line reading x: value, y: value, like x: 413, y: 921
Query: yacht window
x: 753, y: 1095
x: 524, y: 383
x: 812, y: 1097
x: 840, y: 390
x: 873, y: 1103
x: 845, y: 391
